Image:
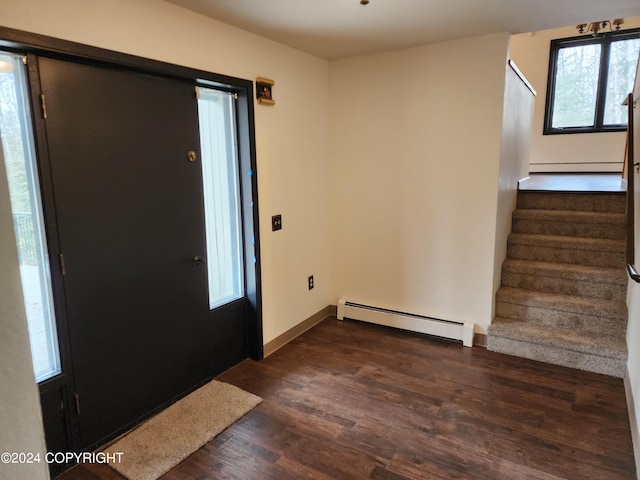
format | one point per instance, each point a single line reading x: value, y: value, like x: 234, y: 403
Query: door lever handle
x: 197, y: 260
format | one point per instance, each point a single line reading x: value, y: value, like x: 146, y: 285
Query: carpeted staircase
x: 564, y: 284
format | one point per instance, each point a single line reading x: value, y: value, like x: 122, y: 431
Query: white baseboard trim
x: 633, y: 420
x: 294, y: 332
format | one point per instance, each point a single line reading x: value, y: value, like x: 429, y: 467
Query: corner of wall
x: 20, y: 416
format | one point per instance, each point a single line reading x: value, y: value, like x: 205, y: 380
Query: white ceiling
x: 342, y: 28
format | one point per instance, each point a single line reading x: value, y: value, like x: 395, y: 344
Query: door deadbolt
x: 191, y: 155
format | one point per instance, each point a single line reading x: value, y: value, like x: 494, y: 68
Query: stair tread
x: 562, y: 298
x: 601, y: 344
x: 584, y: 243
x: 566, y: 270
x: 576, y: 215
x: 565, y: 303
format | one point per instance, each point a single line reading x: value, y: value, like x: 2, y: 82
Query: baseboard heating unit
x: 462, y: 331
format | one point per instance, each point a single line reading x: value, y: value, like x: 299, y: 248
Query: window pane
x: 19, y: 159
x: 576, y: 86
x: 221, y: 196
x: 623, y: 60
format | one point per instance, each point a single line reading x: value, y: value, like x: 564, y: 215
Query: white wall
x: 20, y: 417
x: 632, y: 381
x: 291, y: 136
x: 415, y: 152
x: 514, y: 159
x: 579, y: 152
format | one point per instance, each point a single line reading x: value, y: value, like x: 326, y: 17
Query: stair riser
x: 555, y: 356
x: 578, y: 287
x: 591, y: 258
x: 559, y: 318
x: 612, y: 230
x: 570, y: 316
x: 614, y: 203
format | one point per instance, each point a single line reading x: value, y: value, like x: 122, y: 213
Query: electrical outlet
x: 310, y: 282
x: 276, y: 222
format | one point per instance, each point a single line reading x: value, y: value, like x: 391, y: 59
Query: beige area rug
x: 165, y: 440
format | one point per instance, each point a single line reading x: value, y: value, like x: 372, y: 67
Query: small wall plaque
x: 264, y: 91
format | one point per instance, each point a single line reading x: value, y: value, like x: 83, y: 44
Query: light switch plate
x: 276, y: 222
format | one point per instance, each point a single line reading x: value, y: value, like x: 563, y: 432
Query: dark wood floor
x: 348, y: 400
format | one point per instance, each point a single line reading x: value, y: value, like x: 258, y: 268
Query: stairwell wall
x: 517, y: 124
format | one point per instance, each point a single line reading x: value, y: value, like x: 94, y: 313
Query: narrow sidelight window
x: 19, y: 158
x: 216, y: 110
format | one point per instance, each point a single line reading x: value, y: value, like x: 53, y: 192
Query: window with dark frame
x: 589, y: 78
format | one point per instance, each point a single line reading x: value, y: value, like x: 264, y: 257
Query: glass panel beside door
x: 16, y: 135
x: 216, y: 112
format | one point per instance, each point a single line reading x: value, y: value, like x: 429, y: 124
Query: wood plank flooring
x: 348, y: 400
x: 574, y: 182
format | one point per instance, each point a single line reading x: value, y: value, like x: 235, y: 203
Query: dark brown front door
x: 130, y: 222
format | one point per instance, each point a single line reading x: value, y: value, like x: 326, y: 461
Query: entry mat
x: 159, y: 444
